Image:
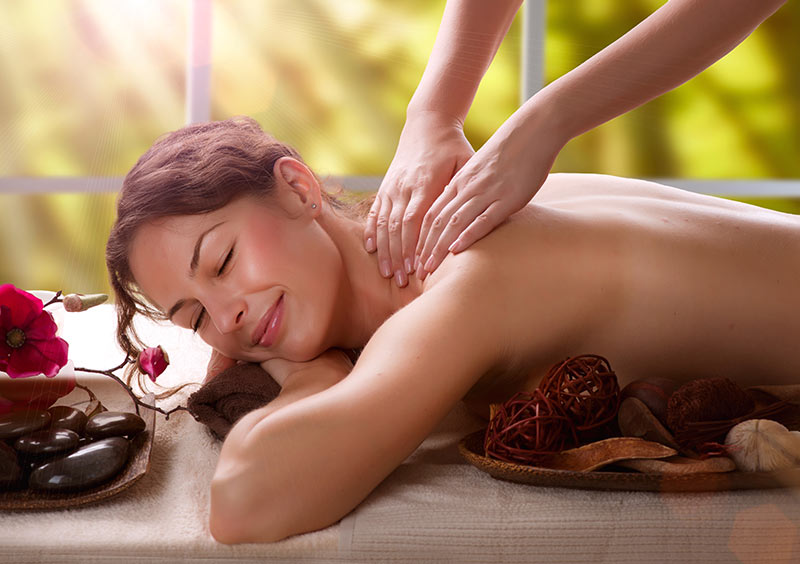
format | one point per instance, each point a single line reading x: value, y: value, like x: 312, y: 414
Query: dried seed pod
x: 654, y: 392
x: 675, y: 465
x: 602, y: 453
x: 636, y: 420
x: 762, y: 445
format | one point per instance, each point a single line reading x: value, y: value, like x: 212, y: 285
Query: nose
x: 227, y: 312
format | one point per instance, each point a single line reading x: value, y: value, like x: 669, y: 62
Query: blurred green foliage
x: 89, y: 84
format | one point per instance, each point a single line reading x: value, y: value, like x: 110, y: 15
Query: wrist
x: 535, y: 124
x: 433, y: 117
x: 551, y: 119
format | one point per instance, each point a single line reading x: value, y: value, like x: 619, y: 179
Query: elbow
x: 224, y: 520
x: 230, y: 522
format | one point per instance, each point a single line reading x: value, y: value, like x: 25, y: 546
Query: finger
x: 371, y: 226
x: 437, y: 225
x: 382, y: 239
x: 412, y: 221
x: 481, y: 226
x: 459, y: 215
x: 395, y: 228
x: 216, y: 364
x: 428, y: 221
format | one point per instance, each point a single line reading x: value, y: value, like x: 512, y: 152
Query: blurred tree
x: 89, y: 84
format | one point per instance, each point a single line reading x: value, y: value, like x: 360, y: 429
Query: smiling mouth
x: 267, y: 325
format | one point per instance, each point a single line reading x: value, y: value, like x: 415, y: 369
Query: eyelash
x: 201, y: 316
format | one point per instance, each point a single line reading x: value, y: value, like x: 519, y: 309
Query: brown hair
x: 194, y: 170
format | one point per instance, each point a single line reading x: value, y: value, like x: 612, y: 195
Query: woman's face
x: 255, y: 282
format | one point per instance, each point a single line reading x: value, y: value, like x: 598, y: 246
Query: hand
x: 497, y: 181
x: 432, y: 148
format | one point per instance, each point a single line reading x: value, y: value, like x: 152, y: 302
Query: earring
x: 313, y: 206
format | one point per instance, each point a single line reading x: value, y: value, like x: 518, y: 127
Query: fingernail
x: 409, y: 267
x: 428, y: 264
x: 455, y: 247
x: 399, y: 278
x: 386, y: 269
x: 370, y: 245
x: 417, y: 265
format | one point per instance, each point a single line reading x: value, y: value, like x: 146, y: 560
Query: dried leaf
x: 636, y: 420
x: 601, y: 453
x: 681, y: 465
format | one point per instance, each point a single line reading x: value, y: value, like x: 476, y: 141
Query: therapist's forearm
x: 468, y: 38
x: 671, y: 46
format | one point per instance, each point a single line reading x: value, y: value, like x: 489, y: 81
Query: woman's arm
x: 432, y: 145
x: 672, y: 45
x: 310, y: 463
x: 297, y: 380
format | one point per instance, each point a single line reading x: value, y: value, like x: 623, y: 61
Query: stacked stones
x: 61, y: 450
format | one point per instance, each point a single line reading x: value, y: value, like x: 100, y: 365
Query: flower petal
x: 153, y: 361
x: 38, y: 357
x: 23, y: 307
x: 42, y: 328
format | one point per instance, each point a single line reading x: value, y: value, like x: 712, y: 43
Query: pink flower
x: 28, y: 342
x: 153, y: 361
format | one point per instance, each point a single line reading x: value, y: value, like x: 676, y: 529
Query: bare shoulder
x: 309, y: 463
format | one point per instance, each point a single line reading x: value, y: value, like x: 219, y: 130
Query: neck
x: 366, y: 299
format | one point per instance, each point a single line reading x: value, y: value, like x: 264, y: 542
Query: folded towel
x: 230, y: 395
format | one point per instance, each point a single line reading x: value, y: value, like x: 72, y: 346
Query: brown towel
x: 230, y: 395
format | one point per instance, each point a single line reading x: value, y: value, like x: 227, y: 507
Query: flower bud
x: 153, y: 361
x: 81, y: 302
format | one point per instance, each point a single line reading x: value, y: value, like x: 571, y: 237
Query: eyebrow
x: 192, y: 267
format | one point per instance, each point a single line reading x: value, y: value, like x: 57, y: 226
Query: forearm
x: 671, y: 46
x: 469, y: 35
x: 307, y: 465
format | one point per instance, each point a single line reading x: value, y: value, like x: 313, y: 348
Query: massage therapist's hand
x: 432, y: 148
x: 497, y: 181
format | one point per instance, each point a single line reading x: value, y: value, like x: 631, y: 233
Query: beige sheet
x: 434, y: 508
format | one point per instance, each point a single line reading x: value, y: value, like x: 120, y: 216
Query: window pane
x: 334, y: 78
x: 55, y: 241
x: 738, y: 119
x: 88, y: 84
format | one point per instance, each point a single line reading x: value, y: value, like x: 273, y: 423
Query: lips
x: 266, y: 329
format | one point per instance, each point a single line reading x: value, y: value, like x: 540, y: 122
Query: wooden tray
x: 471, y: 448
x: 136, y: 467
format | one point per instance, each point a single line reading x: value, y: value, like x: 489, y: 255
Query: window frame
x: 198, y: 108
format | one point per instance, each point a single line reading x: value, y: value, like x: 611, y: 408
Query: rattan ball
x: 587, y: 390
x: 702, y: 411
x: 527, y: 428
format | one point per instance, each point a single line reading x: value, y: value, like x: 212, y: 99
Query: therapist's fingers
x: 412, y: 222
x: 371, y: 227
x: 218, y: 363
x: 395, y: 230
x: 454, y: 218
x: 432, y: 222
x: 483, y: 224
x: 382, y: 237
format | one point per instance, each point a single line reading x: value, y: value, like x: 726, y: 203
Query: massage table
x: 435, y: 507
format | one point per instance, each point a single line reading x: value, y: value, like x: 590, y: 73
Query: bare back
x: 660, y: 281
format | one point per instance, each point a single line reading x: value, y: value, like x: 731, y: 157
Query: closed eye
x: 225, y: 262
x: 199, y: 321
x: 201, y: 316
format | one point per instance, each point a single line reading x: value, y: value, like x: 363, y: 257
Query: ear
x: 298, y: 190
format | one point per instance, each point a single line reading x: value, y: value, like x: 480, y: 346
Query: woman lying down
x: 225, y: 230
